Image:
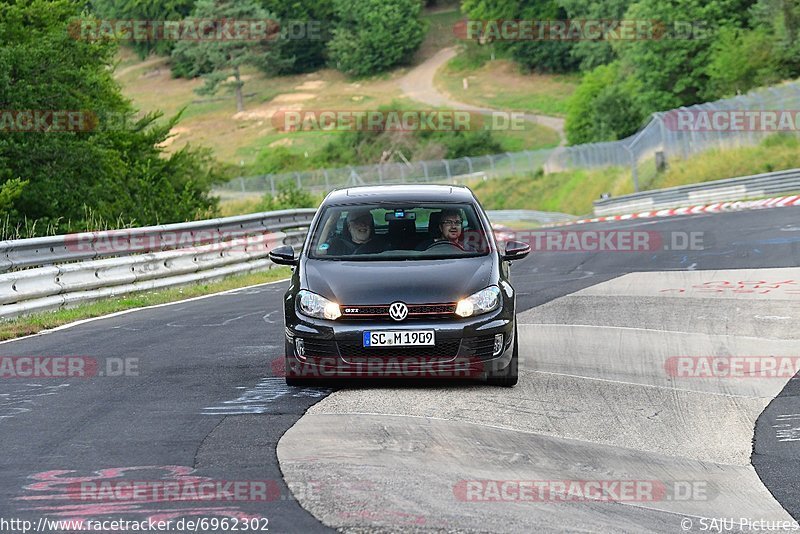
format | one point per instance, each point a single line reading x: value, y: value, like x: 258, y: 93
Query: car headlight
x: 483, y: 301
x: 317, y: 306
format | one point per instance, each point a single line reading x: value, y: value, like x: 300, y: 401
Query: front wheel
x: 509, y: 376
x: 290, y: 371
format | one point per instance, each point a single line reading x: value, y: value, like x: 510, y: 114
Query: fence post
x: 491, y: 161
x: 241, y: 181
x: 299, y: 181
x: 530, y: 160
x: 272, y: 184
x: 425, y: 170
x: 662, y: 133
x: 447, y: 168
x: 327, y: 182
x: 513, y: 167
x: 469, y: 162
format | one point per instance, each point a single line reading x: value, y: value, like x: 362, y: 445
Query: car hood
x: 384, y: 282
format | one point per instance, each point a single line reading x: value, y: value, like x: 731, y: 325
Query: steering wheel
x: 455, y: 244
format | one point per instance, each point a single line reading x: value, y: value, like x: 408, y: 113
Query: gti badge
x: 398, y: 311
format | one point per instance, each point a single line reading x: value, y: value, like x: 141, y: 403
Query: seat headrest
x: 433, y: 224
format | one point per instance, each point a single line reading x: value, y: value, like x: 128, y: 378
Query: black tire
x: 291, y: 378
x: 509, y: 376
x: 296, y: 382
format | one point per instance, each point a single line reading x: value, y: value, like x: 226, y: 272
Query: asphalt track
x: 594, y: 402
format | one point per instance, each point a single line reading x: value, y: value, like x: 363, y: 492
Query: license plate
x: 404, y: 338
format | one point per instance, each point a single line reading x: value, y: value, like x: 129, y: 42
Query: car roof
x: 400, y: 193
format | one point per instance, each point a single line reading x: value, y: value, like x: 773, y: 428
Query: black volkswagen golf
x: 401, y: 281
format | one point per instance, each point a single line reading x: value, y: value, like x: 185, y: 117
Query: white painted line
x: 670, y: 388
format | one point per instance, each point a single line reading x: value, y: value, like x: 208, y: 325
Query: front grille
x: 432, y: 308
x: 443, y: 350
x: 415, y: 311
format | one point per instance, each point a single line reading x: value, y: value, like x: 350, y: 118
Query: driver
x: 450, y: 226
x: 449, y: 230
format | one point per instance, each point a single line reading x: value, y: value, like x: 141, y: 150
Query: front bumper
x: 464, y: 348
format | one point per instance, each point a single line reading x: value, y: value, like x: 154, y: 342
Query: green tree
x: 673, y: 71
x: 220, y: 61
x: 780, y: 19
x: 591, y: 54
x: 306, y: 29
x: 603, y: 107
x: 532, y: 55
x: 113, y: 170
x: 741, y: 60
x: 372, y: 36
x: 155, y: 10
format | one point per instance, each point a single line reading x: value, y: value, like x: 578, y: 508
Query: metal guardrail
x: 51, y: 272
x: 539, y: 217
x: 49, y: 250
x: 742, y: 188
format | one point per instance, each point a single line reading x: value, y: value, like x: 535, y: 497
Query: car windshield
x: 399, y: 232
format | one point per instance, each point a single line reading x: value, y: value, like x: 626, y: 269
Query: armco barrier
x: 743, y: 188
x: 75, y: 247
x: 50, y: 272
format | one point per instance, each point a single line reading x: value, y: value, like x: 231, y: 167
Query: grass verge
x: 440, y: 30
x: 31, y: 324
x: 574, y: 191
x: 565, y: 192
x: 499, y: 84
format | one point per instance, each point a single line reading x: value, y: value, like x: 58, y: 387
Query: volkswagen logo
x: 398, y: 311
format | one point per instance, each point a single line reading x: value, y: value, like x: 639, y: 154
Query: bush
x: 307, y: 53
x: 459, y: 144
x: 741, y: 60
x: 288, y: 196
x: 603, y: 107
x: 276, y: 160
x: 545, y: 56
x: 145, y: 10
x: 372, y: 36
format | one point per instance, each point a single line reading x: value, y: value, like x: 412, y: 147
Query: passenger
x: 358, y: 238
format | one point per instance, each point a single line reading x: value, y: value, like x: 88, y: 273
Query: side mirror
x: 516, y: 250
x: 283, y: 255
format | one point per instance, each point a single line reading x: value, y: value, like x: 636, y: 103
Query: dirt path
x: 152, y: 62
x: 418, y: 85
